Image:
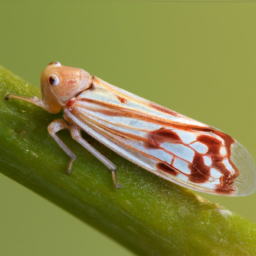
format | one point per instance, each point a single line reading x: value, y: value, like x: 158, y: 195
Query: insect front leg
x: 36, y: 101
x: 53, y: 128
x: 76, y: 135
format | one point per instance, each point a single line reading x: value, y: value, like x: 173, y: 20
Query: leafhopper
x: 164, y: 142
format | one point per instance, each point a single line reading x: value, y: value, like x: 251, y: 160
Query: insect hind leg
x: 53, y: 128
x: 76, y: 135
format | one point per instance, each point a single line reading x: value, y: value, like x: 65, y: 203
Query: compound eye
x: 54, y: 80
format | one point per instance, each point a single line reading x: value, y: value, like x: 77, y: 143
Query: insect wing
x: 168, y: 144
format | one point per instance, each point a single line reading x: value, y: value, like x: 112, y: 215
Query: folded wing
x: 164, y: 142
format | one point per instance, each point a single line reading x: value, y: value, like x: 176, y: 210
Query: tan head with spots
x: 60, y: 83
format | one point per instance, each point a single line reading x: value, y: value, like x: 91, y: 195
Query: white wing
x: 164, y: 142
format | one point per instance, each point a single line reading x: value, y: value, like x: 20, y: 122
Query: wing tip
x: 245, y: 183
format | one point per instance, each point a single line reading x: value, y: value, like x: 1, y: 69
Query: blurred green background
x: 197, y: 58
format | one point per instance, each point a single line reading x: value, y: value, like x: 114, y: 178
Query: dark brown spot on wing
x: 163, y: 135
x: 212, y: 143
x: 166, y: 168
x: 200, y: 173
x: 225, y: 191
x: 226, y: 188
x: 121, y: 99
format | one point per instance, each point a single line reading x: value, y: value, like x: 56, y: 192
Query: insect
x: 164, y: 142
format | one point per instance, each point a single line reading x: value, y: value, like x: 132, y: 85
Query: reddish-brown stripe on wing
x: 110, y: 109
x: 164, y: 110
x: 229, y: 141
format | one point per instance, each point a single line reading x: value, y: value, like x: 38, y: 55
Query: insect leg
x: 35, y: 100
x: 53, y: 128
x: 76, y: 135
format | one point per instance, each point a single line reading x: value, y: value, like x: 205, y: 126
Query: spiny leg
x: 76, y: 135
x: 53, y: 128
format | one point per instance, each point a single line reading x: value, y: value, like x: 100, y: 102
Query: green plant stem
x: 148, y: 215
